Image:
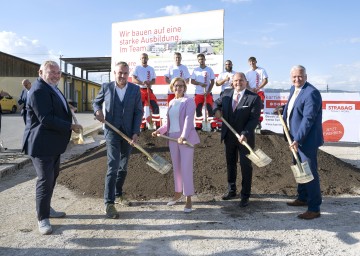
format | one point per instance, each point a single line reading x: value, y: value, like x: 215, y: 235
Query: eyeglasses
x: 54, y: 72
x: 179, y: 85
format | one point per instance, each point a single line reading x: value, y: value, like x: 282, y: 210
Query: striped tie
x: 236, y: 101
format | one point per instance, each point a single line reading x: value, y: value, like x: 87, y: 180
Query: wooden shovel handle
x: 129, y: 140
x: 173, y: 139
x: 288, y: 138
x: 76, y: 122
x: 237, y: 135
x: 74, y: 117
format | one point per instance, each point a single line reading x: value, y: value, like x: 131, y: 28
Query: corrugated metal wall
x: 11, y: 66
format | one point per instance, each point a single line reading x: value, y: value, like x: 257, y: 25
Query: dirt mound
x: 86, y: 173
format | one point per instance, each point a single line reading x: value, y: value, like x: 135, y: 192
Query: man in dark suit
x: 47, y: 134
x: 23, y: 96
x: 241, y: 108
x: 124, y: 110
x: 303, y: 115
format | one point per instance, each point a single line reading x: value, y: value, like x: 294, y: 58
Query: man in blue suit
x: 47, y: 134
x: 23, y: 96
x: 241, y: 109
x: 124, y: 110
x: 303, y: 115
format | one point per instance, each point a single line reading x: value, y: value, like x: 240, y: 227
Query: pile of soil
x: 86, y: 173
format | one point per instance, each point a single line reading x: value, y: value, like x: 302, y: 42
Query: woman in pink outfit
x: 180, y: 125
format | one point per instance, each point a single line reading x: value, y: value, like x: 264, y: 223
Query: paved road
x: 12, y: 129
x: 12, y: 134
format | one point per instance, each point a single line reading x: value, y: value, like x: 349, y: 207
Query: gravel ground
x: 267, y: 227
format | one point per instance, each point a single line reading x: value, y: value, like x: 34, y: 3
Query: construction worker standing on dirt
x: 144, y: 76
x: 225, y: 81
x: 176, y: 70
x: 257, y: 79
x: 203, y: 78
x: 241, y: 109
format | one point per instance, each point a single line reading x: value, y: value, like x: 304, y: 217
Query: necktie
x: 236, y: 101
x: 291, y: 105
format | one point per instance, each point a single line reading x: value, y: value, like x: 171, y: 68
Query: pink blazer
x: 186, y: 121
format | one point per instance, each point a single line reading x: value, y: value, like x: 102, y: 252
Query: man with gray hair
x: 303, y: 117
x: 47, y: 134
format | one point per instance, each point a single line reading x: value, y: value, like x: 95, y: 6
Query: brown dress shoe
x: 297, y: 202
x: 308, y: 215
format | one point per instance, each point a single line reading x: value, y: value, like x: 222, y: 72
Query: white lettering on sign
x: 340, y: 107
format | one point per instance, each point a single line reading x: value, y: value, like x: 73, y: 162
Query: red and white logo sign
x: 333, y: 130
x: 340, y: 107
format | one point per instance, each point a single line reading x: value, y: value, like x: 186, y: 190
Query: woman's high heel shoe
x: 187, y: 210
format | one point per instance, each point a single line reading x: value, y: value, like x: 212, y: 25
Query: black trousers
x: 47, y: 170
x: 233, y: 151
x: 24, y: 116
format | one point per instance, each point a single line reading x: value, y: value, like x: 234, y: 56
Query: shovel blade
x: 84, y: 140
x: 260, y: 159
x: 159, y: 164
x: 303, y: 173
x: 151, y: 126
x: 206, y: 127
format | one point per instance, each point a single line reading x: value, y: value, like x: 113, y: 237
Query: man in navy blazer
x: 23, y: 96
x: 241, y: 109
x: 47, y: 134
x: 124, y: 110
x: 303, y: 115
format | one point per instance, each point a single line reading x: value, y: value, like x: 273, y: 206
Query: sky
x: 322, y: 35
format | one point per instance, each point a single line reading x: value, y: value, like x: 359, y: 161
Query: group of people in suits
x: 304, y: 120
x: 48, y: 119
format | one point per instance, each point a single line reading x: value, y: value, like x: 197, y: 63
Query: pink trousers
x: 182, y: 158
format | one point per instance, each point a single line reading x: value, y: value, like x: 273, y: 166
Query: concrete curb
x: 13, y: 160
x: 14, y: 164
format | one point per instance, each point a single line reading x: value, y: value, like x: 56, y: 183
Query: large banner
x: 341, y: 112
x: 189, y: 34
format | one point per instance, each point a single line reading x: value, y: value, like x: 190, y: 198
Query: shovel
x: 173, y: 139
x: 81, y: 139
x: 150, y: 123
x: 259, y: 158
x: 206, y: 127
x: 301, y: 171
x: 156, y: 162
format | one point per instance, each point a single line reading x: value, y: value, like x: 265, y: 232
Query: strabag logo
x: 340, y: 107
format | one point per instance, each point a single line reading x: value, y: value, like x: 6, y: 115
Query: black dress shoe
x: 229, y: 195
x: 244, y: 202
